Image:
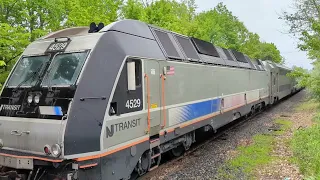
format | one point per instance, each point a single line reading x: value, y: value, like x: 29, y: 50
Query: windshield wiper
x: 34, y: 74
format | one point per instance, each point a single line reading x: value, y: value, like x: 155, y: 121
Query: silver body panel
x: 30, y: 135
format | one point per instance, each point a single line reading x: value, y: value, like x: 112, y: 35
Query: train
x: 107, y: 101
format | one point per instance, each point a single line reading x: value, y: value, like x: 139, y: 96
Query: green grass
x: 306, y: 149
x: 256, y: 155
x: 284, y: 126
x: 310, y: 105
x: 305, y: 143
x: 249, y: 158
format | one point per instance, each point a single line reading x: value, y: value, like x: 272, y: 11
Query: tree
x: 83, y: 12
x: 221, y: 28
x: 301, y: 75
x: 305, y: 13
x: 171, y: 15
x: 305, y: 23
x: 133, y: 9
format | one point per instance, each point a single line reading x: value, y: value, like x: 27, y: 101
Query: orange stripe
x: 31, y: 157
x: 112, y: 151
x: 148, y: 100
x: 163, y: 103
x: 198, y: 120
x: 89, y: 165
x: 253, y: 100
x: 234, y: 107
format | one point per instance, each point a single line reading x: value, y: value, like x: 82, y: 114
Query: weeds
x: 255, y: 155
x: 306, y: 150
x: 310, y: 106
x: 305, y: 143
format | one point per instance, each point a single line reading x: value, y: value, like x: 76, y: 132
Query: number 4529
x: 133, y: 103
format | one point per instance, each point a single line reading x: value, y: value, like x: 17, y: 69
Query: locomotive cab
x: 37, y: 96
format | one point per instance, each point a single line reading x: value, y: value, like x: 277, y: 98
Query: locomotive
x: 106, y: 102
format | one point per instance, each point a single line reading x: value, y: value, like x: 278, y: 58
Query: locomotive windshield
x: 26, y: 71
x: 65, y: 69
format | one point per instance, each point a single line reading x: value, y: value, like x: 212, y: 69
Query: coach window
x: 128, y: 94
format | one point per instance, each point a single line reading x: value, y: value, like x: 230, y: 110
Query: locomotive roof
x: 173, y: 45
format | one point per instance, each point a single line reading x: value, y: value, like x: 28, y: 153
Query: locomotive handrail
x: 148, y: 100
x: 163, y: 102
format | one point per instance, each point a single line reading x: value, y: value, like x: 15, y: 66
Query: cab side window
x: 128, y: 94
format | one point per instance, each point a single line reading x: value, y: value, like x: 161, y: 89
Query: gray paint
x: 211, y: 59
x: 41, y: 132
x: 87, y: 116
x: 103, y: 66
x: 77, y: 43
x: 121, y: 164
x: 133, y: 27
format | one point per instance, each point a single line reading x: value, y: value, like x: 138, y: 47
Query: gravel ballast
x: 205, y: 162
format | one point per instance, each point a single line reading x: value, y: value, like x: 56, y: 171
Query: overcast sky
x: 261, y: 17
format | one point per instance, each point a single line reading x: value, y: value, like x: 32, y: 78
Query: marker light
x: 37, y: 99
x: 46, y: 149
x: 56, y: 150
x: 30, y: 98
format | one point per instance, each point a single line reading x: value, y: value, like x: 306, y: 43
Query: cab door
x: 152, y: 94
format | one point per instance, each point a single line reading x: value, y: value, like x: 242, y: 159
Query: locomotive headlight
x: 56, y: 150
x: 30, y: 98
x: 37, y: 98
x: 1, y: 143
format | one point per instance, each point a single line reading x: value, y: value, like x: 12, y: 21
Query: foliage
x: 310, y: 105
x: 306, y: 148
x: 83, y: 12
x: 314, y: 81
x: 305, y: 143
x: 304, y: 22
x: 300, y: 75
x: 23, y: 21
x: 133, y: 9
x: 311, y: 79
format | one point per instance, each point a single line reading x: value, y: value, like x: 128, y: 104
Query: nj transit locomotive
x: 107, y: 102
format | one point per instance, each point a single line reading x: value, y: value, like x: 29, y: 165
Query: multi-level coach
x: 106, y: 102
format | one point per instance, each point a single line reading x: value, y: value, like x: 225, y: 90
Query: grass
x: 305, y: 144
x: 309, y: 106
x: 255, y: 154
x: 306, y: 150
x: 284, y: 126
x: 249, y: 158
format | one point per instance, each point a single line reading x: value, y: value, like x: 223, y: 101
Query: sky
x: 262, y: 17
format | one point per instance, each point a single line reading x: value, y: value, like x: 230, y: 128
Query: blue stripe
x: 196, y: 110
x: 57, y: 110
